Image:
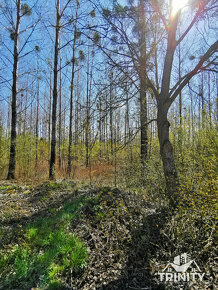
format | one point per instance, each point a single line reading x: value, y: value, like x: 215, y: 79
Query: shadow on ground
x: 39, y: 204
x: 146, y: 244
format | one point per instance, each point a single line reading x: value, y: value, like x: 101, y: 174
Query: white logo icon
x: 183, y: 269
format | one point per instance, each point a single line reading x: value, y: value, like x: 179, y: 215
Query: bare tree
x: 55, y: 94
x: 71, y: 92
x: 37, y: 111
x: 21, y: 10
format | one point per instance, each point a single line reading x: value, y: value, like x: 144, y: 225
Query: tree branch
x: 198, y: 13
x: 213, y: 48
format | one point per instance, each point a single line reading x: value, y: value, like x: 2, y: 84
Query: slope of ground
x: 56, y: 236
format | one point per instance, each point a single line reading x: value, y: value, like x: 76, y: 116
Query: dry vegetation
x: 121, y: 238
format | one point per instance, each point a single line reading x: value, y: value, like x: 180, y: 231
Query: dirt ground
x: 122, y: 243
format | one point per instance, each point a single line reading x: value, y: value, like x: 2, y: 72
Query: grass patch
x: 47, y: 253
x: 8, y: 188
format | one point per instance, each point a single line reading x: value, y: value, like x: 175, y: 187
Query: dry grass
x: 98, y: 173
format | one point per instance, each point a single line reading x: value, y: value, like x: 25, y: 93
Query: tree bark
x: 163, y: 102
x: 87, y: 124
x: 166, y: 152
x: 143, y: 84
x: 54, y: 105
x: 60, y: 119
x: 71, y: 100
x: 111, y: 114
x: 100, y: 127
x: 49, y: 114
x: 12, y: 160
x: 143, y: 121
x: 37, y: 116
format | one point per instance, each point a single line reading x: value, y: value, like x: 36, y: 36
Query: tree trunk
x: 100, y: 127
x: 166, y: 151
x: 71, y: 117
x: 143, y: 85
x: 54, y: 105
x: 60, y: 120
x: 127, y: 129
x: 71, y: 99
x: 37, y: 116
x: 111, y: 114
x: 143, y: 121
x: 88, y: 111
x: 49, y: 115
x: 77, y: 119
x: 87, y: 121
x: 12, y: 161
x: 163, y: 104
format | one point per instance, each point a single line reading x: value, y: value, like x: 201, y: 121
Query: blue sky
x: 43, y: 36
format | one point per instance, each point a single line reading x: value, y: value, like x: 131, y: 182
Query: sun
x: 178, y: 5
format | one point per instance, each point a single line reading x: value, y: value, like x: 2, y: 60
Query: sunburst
x: 178, y: 5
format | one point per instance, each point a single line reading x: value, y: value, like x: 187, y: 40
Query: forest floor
x: 122, y: 232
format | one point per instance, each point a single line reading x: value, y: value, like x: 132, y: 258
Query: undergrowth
x: 47, y: 251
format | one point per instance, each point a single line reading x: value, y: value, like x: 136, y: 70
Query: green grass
x: 8, y: 187
x: 48, y: 251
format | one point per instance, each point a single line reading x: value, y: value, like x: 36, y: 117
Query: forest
x: 108, y: 144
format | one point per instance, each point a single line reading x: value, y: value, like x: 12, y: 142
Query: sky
x: 43, y: 36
